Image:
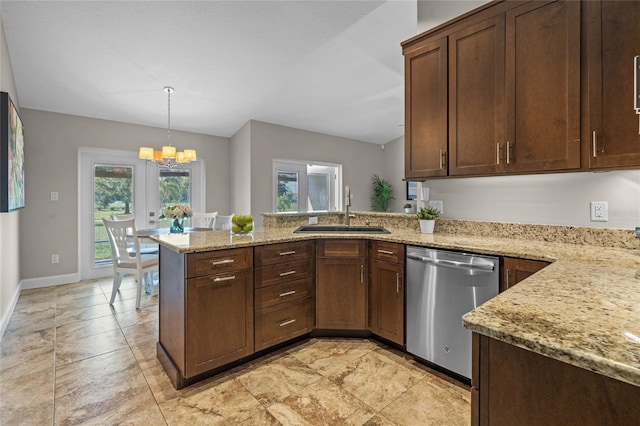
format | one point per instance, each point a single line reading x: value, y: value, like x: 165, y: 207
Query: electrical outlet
x: 55, y: 258
x: 54, y: 196
x: 599, y: 211
x: 313, y: 220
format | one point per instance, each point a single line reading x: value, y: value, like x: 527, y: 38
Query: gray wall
x: 9, y: 222
x: 394, y: 172
x: 551, y: 199
x: 241, y: 170
x: 51, y: 152
x: 432, y: 13
x: 360, y: 160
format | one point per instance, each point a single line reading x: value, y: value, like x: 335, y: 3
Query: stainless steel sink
x: 341, y: 229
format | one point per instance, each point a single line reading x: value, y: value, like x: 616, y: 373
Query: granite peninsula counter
x: 583, y: 309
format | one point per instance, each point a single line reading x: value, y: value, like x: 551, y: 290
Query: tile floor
x: 67, y: 357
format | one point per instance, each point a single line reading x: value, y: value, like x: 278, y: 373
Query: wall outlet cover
x: 599, y: 211
x: 313, y: 220
x: 438, y: 205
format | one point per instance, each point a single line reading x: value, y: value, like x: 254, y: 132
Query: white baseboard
x: 49, y: 281
x: 7, y: 315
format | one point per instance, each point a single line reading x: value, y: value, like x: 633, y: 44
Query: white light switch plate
x: 438, y: 205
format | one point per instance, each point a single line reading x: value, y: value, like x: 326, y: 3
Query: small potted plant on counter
x: 427, y: 216
x: 407, y: 208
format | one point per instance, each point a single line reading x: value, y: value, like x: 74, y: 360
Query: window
x: 304, y: 187
x: 112, y: 195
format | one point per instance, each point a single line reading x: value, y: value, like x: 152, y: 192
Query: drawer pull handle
x: 221, y: 262
x: 284, y: 274
x: 285, y: 253
x: 291, y: 321
x: 385, y: 252
x: 361, y: 273
x: 288, y: 293
x: 219, y: 279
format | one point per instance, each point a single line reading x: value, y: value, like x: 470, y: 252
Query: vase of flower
x: 176, y: 215
x: 176, y: 225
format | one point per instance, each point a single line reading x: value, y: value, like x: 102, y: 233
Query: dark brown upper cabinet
x: 426, y: 110
x: 476, y: 99
x: 613, y: 40
x: 543, y: 86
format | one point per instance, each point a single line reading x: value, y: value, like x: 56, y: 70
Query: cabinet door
x: 613, y: 41
x: 543, y: 86
x: 426, y: 110
x: 386, y: 298
x: 476, y: 99
x: 219, y: 320
x: 341, y: 293
x: 515, y: 270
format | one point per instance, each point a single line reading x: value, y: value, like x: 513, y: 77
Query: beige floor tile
x: 81, y: 289
x: 140, y: 333
x: 138, y: 316
x: 430, y: 402
x: 226, y: 403
x: 38, y: 414
x: 93, y: 372
x: 73, y: 349
x: 378, y: 420
x: 82, y: 314
x: 123, y: 399
x: 374, y: 379
x: 278, y: 379
x: 321, y: 403
x: 28, y: 313
x: 69, y: 302
x: 126, y: 305
x: 77, y: 330
x: 146, y: 354
x: 24, y: 391
x: 263, y: 418
x: 15, y: 341
x: 328, y: 354
x: 35, y: 360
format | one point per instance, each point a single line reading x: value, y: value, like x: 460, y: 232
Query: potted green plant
x: 382, y: 194
x: 407, y: 208
x: 427, y: 217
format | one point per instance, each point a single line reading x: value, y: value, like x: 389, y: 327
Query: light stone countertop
x: 583, y: 309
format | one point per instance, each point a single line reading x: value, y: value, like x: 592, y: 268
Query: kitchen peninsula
x: 582, y: 311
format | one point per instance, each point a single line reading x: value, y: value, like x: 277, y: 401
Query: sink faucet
x: 347, y: 204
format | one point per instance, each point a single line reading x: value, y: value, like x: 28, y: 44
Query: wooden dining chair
x: 203, y: 220
x: 125, y: 262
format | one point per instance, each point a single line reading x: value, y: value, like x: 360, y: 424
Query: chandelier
x: 168, y: 157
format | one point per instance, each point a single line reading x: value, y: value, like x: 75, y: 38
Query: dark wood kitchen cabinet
x: 387, y: 291
x: 513, y: 92
x: 206, y: 309
x: 476, y: 99
x: 613, y: 40
x: 511, y: 385
x: 284, y: 299
x: 542, y: 89
x: 515, y: 270
x: 341, y: 284
x: 426, y: 110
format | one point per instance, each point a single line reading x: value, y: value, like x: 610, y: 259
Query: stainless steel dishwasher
x: 441, y: 287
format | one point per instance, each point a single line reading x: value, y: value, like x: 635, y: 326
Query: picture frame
x: 11, y: 156
x: 412, y: 191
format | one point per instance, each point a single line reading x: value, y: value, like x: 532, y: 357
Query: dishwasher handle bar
x: 452, y: 263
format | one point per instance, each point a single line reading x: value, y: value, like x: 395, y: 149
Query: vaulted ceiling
x: 334, y: 67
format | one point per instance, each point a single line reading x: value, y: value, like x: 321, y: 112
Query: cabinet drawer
x: 276, y: 294
x: 283, y: 272
x: 280, y: 323
x: 390, y: 252
x: 214, y: 262
x: 341, y: 248
x: 284, y: 252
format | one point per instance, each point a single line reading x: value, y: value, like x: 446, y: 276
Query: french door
x: 117, y: 182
